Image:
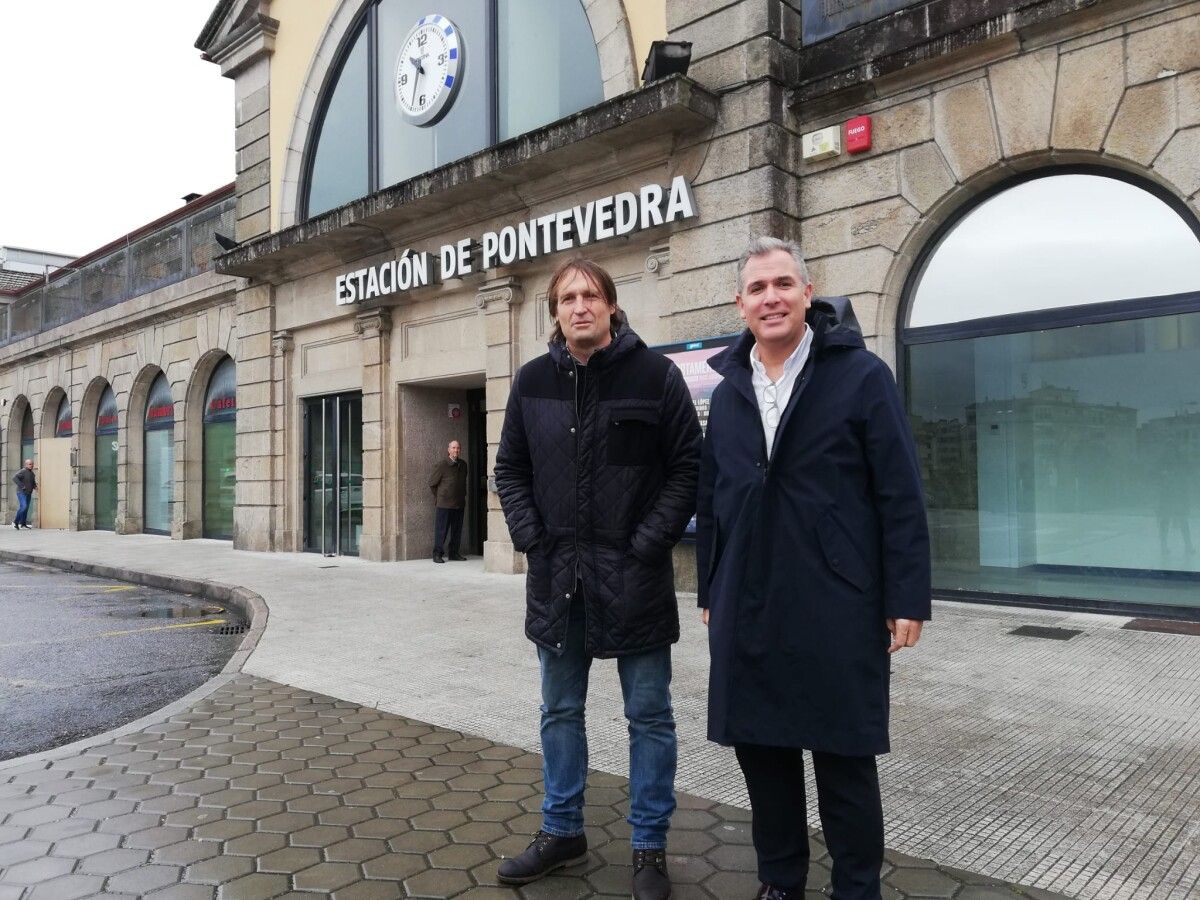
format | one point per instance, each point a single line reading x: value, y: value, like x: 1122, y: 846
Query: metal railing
x: 169, y: 254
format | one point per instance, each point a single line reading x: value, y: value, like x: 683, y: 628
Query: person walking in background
x: 449, y: 485
x: 813, y: 567
x: 596, y: 473
x: 26, y: 483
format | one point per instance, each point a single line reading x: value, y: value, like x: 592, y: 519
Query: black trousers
x: 448, y: 520
x: 851, y: 817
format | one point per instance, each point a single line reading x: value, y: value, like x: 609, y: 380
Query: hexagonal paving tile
x: 262, y: 790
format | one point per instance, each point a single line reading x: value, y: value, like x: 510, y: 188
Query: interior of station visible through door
x: 432, y: 414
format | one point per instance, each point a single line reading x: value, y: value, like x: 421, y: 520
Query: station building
x: 1008, y: 192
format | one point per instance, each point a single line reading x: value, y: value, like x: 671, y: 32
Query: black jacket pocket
x: 840, y: 553
x: 632, y: 436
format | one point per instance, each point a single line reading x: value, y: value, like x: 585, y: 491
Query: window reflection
x: 1054, y: 242
x: 1064, y: 462
x: 543, y: 74
x: 339, y: 170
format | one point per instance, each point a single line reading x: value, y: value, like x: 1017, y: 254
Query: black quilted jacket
x: 601, y: 497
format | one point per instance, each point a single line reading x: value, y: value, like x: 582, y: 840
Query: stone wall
x: 745, y: 168
x: 1109, y: 87
x: 183, y: 331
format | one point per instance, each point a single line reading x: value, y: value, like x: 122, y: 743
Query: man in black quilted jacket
x: 597, y: 471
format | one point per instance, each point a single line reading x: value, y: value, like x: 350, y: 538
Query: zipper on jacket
x: 577, y: 582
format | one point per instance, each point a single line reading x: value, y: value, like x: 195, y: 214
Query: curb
x: 250, y: 605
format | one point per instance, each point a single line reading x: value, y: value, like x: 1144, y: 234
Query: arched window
x: 1050, y: 354
x: 517, y: 65
x: 159, y: 469
x: 63, y: 423
x: 220, y: 458
x: 27, y: 448
x: 106, y: 461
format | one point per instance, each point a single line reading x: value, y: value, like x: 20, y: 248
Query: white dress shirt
x: 783, y: 387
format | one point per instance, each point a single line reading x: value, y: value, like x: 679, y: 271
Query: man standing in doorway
x: 596, y: 472
x: 26, y: 483
x: 449, y: 485
x: 813, y: 558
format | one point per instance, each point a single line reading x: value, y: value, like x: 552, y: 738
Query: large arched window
x: 1050, y: 357
x: 159, y: 469
x: 27, y: 447
x: 523, y: 64
x: 106, y: 461
x: 220, y: 458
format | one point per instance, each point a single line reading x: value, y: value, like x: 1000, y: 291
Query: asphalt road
x: 80, y: 655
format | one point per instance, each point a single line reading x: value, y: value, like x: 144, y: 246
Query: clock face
x: 428, y: 70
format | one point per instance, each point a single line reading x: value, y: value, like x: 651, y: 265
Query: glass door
x: 333, y: 474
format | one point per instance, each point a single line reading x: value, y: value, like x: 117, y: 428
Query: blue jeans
x: 22, y: 508
x: 646, y: 688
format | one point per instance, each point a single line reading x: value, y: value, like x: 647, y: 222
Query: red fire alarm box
x: 858, y: 134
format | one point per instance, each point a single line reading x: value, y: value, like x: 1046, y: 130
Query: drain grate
x: 232, y: 629
x: 1046, y: 631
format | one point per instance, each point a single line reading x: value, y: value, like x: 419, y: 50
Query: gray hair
x: 761, y: 246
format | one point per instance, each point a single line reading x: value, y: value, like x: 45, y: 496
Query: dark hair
x: 599, y: 279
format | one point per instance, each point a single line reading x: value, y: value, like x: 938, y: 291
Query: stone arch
x: 85, y: 428
x: 49, y: 415
x: 12, y: 450
x: 610, y: 29
x: 132, y: 434
x: 192, y: 523
x: 960, y: 197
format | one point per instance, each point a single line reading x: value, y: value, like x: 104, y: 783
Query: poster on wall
x: 692, y: 358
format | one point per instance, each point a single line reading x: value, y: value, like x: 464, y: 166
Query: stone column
x: 282, y: 455
x: 375, y: 328
x: 254, y: 507
x: 499, y: 302
x: 242, y: 46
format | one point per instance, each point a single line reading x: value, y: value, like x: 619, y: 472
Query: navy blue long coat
x: 802, y: 558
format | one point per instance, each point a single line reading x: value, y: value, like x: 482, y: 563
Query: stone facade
x: 1110, y: 87
x: 183, y: 331
x: 1106, y: 84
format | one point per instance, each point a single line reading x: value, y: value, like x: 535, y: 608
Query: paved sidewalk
x: 263, y: 790
x: 1072, y: 766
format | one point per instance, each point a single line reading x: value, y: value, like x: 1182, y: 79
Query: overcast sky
x: 109, y: 118
x: 1062, y: 241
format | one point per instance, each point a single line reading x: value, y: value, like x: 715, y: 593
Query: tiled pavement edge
x: 262, y: 790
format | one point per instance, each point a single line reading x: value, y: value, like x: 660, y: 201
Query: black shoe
x: 437, y: 558
x: 766, y: 892
x: 16, y: 526
x: 546, y: 853
x: 650, y: 881
x: 457, y: 558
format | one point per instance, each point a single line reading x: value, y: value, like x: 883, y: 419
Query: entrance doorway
x: 333, y: 482
x: 477, y: 492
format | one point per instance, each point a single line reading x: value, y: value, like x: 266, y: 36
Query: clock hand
x: 416, y: 61
x: 416, y: 78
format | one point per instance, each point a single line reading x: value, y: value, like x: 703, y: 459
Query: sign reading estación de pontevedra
x: 597, y: 220
x: 824, y: 18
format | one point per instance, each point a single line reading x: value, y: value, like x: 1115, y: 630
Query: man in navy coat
x: 813, y: 557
